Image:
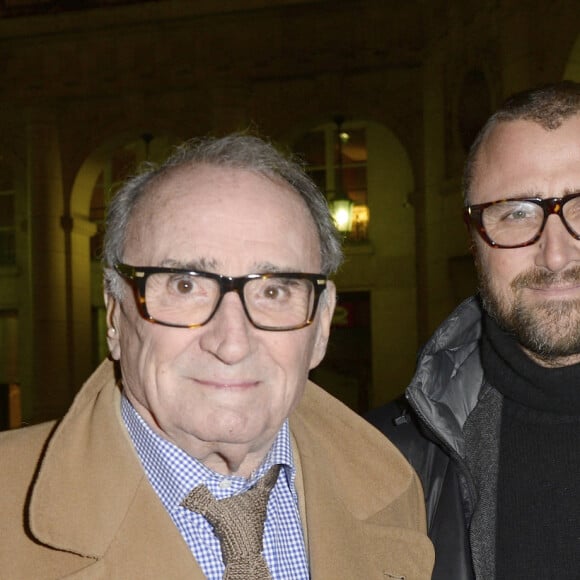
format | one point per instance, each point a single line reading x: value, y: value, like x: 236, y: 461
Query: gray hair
x: 236, y: 151
x: 548, y: 106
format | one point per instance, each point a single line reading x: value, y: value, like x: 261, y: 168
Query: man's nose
x: 227, y: 334
x: 557, y: 246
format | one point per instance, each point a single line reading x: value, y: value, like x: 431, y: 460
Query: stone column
x: 80, y: 322
x: 51, y: 374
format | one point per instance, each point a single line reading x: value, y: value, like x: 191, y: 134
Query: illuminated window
x: 336, y: 157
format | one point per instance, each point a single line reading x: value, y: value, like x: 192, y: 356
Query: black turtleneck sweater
x: 538, y: 488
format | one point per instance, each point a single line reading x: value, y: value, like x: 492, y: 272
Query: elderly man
x: 497, y: 391
x: 203, y: 451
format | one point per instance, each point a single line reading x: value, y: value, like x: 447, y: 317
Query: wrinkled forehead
x: 212, y: 211
x: 195, y: 181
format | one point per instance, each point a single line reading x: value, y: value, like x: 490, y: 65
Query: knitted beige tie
x: 238, y: 522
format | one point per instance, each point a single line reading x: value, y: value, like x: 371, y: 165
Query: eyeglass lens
x: 515, y: 222
x: 184, y: 299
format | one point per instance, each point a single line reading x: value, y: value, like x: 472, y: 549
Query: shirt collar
x: 173, y: 473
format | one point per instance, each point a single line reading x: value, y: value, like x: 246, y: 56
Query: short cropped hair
x: 548, y: 106
x: 236, y: 151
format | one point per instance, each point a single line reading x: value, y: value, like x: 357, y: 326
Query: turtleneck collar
x: 509, y: 369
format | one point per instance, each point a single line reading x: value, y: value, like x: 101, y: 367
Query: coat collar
x: 89, y: 454
x: 90, y: 457
x: 449, y: 378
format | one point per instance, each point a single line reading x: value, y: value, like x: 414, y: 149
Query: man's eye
x: 275, y: 292
x: 518, y: 214
x: 512, y: 213
x: 182, y: 285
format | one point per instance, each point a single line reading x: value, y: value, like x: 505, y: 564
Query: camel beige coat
x: 75, y: 502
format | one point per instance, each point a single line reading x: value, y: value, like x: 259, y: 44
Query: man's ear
x: 324, y: 315
x: 112, y: 306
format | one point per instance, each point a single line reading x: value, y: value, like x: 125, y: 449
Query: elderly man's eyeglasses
x: 188, y: 299
x: 515, y: 223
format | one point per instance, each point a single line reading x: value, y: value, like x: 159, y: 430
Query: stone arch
x: 384, y: 267
x: 88, y: 307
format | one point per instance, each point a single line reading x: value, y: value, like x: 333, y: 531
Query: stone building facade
x: 90, y: 89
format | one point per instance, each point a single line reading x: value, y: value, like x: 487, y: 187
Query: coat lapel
x: 364, y: 510
x: 147, y: 545
x: 90, y: 457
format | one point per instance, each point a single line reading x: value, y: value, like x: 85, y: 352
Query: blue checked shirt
x: 173, y: 474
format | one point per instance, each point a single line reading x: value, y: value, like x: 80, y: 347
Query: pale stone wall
x: 75, y: 85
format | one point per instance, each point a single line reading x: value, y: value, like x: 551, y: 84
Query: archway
x: 373, y: 345
x: 103, y: 170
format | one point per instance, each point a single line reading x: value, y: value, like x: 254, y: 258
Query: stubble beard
x: 550, y: 329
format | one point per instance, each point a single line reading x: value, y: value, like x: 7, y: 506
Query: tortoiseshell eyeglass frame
x: 137, y: 278
x: 473, y: 216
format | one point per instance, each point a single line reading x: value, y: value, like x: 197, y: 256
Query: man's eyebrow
x: 570, y: 191
x: 268, y: 267
x: 538, y: 193
x: 199, y: 264
x: 526, y: 194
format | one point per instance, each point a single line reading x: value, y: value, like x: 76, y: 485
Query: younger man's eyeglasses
x: 515, y: 223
